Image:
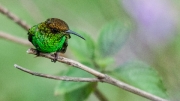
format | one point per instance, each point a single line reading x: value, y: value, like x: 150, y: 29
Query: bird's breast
x: 48, y: 42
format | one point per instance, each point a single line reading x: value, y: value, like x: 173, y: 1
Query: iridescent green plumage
x: 50, y: 36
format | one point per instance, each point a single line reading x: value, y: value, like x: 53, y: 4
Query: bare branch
x: 13, y: 17
x: 100, y: 76
x: 15, y: 39
x: 132, y: 89
x: 64, y: 78
x: 69, y: 62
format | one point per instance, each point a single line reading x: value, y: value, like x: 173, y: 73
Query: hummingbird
x: 51, y: 36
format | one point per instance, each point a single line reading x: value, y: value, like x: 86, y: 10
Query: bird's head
x: 57, y: 25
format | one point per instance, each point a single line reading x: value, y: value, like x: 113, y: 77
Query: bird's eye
x: 54, y: 30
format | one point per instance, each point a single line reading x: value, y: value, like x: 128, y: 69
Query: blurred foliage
x: 106, y: 27
x: 135, y: 73
x: 112, y: 37
x: 75, y: 91
x: 86, y: 53
x: 141, y: 76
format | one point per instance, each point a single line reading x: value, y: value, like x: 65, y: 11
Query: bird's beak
x: 72, y: 32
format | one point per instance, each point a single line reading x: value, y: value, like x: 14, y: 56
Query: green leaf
x: 81, y: 93
x: 105, y: 62
x: 83, y: 49
x: 142, y: 76
x: 112, y: 37
x: 75, y: 91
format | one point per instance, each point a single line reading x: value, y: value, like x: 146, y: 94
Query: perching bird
x: 51, y: 36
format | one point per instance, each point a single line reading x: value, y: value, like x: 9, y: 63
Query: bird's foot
x: 55, y: 57
x: 37, y: 53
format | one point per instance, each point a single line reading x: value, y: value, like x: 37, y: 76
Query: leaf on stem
x: 83, y: 49
x: 75, y: 91
x: 142, y: 76
x: 112, y: 37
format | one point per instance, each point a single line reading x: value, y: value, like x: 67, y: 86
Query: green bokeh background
x: 85, y: 15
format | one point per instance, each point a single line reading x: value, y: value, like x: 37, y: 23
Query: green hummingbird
x: 51, y: 36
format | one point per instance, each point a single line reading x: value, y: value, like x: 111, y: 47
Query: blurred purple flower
x: 156, y: 20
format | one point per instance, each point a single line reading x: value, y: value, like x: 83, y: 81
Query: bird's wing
x: 31, y: 32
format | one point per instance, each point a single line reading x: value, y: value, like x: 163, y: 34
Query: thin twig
x: 100, y: 76
x: 13, y: 17
x: 69, y: 62
x: 134, y: 90
x: 64, y: 78
x: 97, y: 92
x: 15, y: 39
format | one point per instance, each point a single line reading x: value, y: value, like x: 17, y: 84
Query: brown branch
x: 64, y: 78
x: 13, y: 17
x: 69, y: 62
x: 100, y: 76
x: 15, y: 39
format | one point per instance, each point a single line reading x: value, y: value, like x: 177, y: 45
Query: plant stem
x: 100, y: 76
x: 15, y: 39
x: 99, y: 95
x: 13, y: 17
